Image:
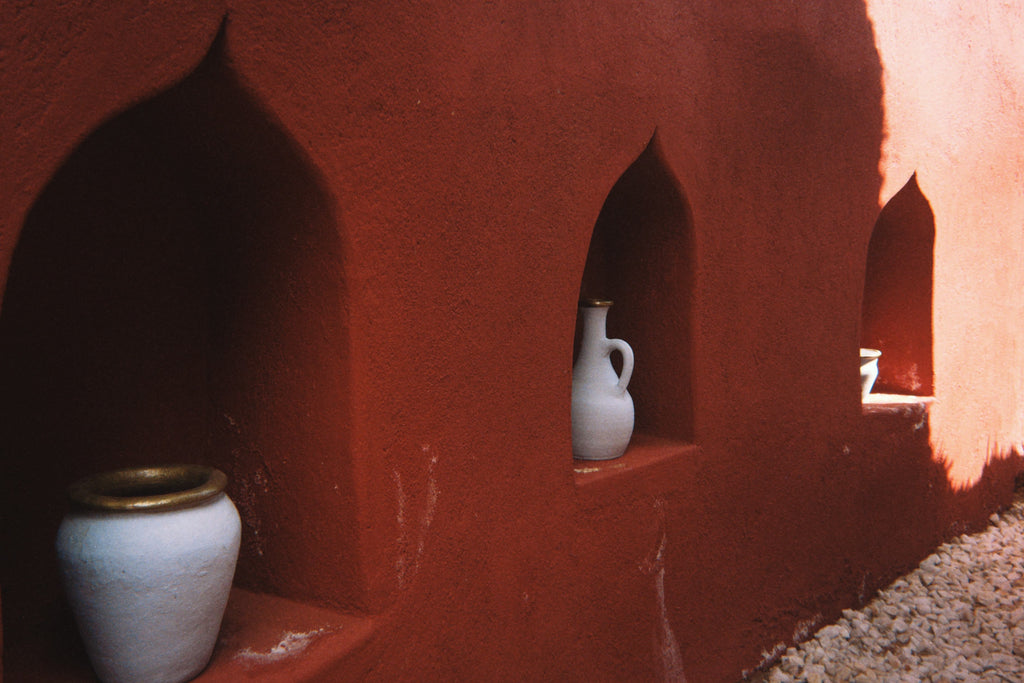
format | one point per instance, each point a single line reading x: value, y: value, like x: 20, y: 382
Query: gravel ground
x: 958, y: 617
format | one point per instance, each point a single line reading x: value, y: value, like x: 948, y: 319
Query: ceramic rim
x: 148, y: 488
x: 869, y: 353
x: 595, y: 303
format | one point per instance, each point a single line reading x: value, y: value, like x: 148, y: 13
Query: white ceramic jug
x: 868, y: 371
x: 147, y: 556
x: 602, y: 409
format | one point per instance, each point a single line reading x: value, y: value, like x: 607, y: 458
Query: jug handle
x: 627, y: 361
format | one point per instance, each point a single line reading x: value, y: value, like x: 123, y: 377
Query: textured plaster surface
x: 348, y: 246
x: 953, y: 103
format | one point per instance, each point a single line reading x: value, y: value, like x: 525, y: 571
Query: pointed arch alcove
x: 897, y: 305
x: 641, y: 257
x: 178, y: 295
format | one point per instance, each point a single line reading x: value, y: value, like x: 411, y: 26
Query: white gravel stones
x: 958, y: 617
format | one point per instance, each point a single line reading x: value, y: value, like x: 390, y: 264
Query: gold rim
x: 148, y: 488
x: 595, y: 303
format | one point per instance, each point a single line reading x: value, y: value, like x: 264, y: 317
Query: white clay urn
x: 868, y: 371
x: 147, y: 556
x: 602, y: 409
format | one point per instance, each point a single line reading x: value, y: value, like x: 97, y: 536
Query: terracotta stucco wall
x: 336, y: 250
x: 953, y: 95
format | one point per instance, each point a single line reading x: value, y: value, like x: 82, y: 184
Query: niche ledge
x: 897, y: 404
x: 651, y: 466
x: 262, y: 638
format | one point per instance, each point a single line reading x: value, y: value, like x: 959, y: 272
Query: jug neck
x: 595, y: 317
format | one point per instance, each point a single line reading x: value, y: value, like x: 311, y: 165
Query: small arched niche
x: 641, y: 257
x: 177, y: 295
x: 897, y: 308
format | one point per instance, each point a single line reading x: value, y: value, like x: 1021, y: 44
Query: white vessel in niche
x: 602, y: 409
x: 868, y: 371
x: 147, y: 556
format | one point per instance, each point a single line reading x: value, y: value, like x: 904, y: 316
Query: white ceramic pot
x: 868, y: 371
x: 147, y: 557
x: 602, y: 409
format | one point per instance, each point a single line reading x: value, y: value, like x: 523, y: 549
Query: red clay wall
x: 337, y: 251
x: 953, y: 115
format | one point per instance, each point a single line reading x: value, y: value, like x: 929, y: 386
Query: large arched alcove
x: 641, y: 257
x: 177, y: 295
x: 897, y: 308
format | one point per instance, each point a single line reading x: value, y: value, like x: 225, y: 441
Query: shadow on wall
x: 897, y: 309
x: 891, y: 504
x: 907, y: 482
x: 177, y: 295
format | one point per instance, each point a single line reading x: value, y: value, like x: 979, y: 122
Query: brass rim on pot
x: 595, y: 303
x: 148, y: 488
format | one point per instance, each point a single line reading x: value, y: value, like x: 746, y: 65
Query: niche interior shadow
x: 897, y: 309
x: 641, y: 257
x: 178, y: 295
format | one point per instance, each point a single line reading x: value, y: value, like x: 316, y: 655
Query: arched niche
x: 641, y: 257
x: 897, y: 308
x: 177, y: 295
